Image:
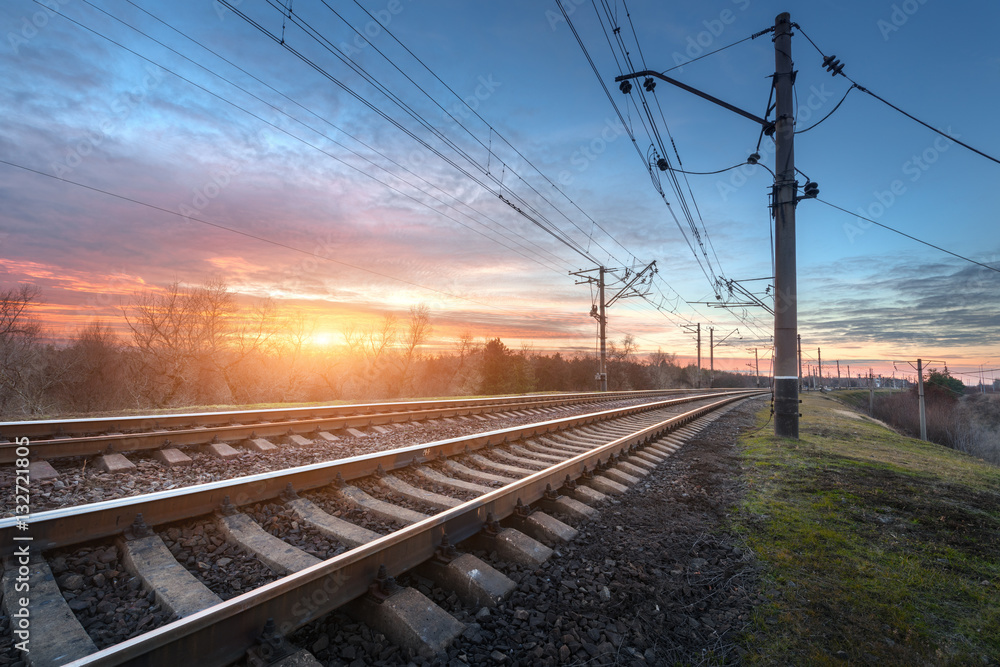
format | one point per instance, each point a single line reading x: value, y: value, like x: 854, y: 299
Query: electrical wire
x: 840, y: 71
x: 256, y: 237
x: 537, y: 220
x: 829, y: 114
x: 914, y: 238
x: 493, y: 131
x: 337, y: 143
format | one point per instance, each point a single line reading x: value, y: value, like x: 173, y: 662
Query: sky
x: 349, y: 159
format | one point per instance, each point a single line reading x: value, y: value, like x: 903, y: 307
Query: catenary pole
x: 786, y: 381
x: 819, y: 362
x: 923, y: 408
x: 604, y: 333
x: 711, y: 358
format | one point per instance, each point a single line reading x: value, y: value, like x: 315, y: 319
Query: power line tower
x: 599, y: 309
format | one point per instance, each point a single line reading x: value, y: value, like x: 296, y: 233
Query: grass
x: 875, y: 547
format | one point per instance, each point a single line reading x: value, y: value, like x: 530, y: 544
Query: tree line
x: 199, y: 346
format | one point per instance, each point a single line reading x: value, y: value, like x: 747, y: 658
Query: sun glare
x: 321, y: 339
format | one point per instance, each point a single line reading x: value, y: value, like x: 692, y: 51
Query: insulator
x: 649, y: 84
x: 625, y: 87
x: 754, y: 158
x: 661, y: 164
x: 832, y: 64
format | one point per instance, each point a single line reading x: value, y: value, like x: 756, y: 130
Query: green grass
x: 875, y: 547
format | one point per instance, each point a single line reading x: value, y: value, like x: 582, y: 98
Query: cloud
x: 941, y: 305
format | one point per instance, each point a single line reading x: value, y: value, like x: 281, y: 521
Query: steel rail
x: 220, y: 634
x: 72, y: 525
x: 156, y: 437
x: 93, y: 425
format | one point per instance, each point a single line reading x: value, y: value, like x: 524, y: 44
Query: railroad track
x: 54, y: 439
x: 428, y: 497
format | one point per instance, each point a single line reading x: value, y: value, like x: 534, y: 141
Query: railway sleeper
x: 537, y: 456
x: 437, y: 478
x: 415, y: 494
x: 484, y: 462
x: 52, y: 618
x: 176, y: 589
x: 476, y: 583
x: 355, y: 497
x: 471, y: 473
x: 342, y: 531
x: 408, y: 619
x: 274, y: 552
x: 543, y: 527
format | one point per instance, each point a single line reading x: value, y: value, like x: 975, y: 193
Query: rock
x: 564, y: 653
x: 321, y: 643
x: 482, y: 614
x: 604, y: 594
x: 72, y: 582
x: 498, y: 657
x: 473, y: 632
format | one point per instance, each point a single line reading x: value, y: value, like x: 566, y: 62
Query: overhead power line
x: 914, y: 238
x: 257, y: 237
x: 835, y: 67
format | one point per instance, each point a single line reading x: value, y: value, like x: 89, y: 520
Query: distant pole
x: 799, y: 338
x: 838, y: 373
x: 819, y: 360
x: 849, y: 385
x: 699, y: 355
x: 711, y: 358
x: 871, y: 392
x: 756, y: 365
x: 604, y: 332
x: 786, y: 382
x: 920, y: 393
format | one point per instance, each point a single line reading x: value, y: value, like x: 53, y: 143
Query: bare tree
x: 418, y: 329
x: 24, y: 374
x: 97, y: 376
x: 192, y: 341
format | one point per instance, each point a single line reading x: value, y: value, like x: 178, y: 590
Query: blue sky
x: 84, y: 108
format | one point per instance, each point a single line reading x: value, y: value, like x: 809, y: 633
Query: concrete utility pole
x: 819, y: 362
x: 786, y: 382
x: 697, y: 330
x: 838, y: 374
x: 603, y: 325
x: 920, y: 393
x: 599, y: 311
x: 699, y: 355
x: 711, y: 358
x: 871, y: 392
x: 799, y: 339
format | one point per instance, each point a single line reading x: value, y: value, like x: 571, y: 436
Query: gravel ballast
x: 655, y: 580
